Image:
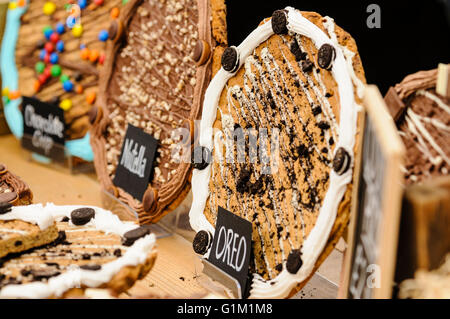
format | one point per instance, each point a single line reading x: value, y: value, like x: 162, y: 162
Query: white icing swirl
x: 104, y: 221
x: 342, y: 71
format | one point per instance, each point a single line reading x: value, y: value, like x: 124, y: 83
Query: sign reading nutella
x: 136, y: 162
x: 43, y: 128
x: 231, y: 246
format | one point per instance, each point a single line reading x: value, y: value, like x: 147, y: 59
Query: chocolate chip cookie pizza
x: 24, y: 230
x: 93, y: 249
x: 54, y: 51
x: 422, y: 117
x: 159, y: 62
x: 277, y: 146
x: 12, y: 189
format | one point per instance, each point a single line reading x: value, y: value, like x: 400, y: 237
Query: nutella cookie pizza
x: 159, y: 62
x: 93, y: 249
x: 12, y: 189
x: 277, y: 146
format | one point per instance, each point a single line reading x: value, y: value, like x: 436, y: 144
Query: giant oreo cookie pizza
x: 293, y: 87
x: 159, y: 62
x: 93, y: 249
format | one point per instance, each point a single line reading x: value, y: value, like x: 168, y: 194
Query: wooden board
x: 425, y: 228
x: 370, y: 258
x: 177, y: 271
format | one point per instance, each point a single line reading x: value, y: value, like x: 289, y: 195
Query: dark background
x: 414, y: 35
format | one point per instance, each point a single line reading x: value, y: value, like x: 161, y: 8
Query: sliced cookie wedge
x: 94, y: 251
x: 12, y: 189
x: 280, y: 123
x: 159, y: 62
x: 23, y: 230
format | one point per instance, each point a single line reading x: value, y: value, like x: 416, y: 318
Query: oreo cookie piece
x: 82, y: 216
x: 279, y: 22
x: 40, y: 274
x: 92, y: 267
x: 294, y: 261
x: 201, y: 157
x: 202, y: 242
x: 307, y: 66
x: 341, y: 161
x: 5, y: 207
x: 131, y: 236
x: 326, y: 56
x: 230, y: 59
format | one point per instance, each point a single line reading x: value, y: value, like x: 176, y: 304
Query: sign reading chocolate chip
x: 5, y: 207
x: 341, y: 161
x: 201, y: 52
x: 43, y: 128
x: 279, y: 22
x: 131, y: 236
x: 82, y: 216
x: 92, y: 267
x: 201, y: 157
x: 326, y: 56
x: 202, y: 241
x: 294, y: 261
x: 230, y: 59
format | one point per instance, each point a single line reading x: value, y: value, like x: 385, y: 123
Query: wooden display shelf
x: 178, y: 271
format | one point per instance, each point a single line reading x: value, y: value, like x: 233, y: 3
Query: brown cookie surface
x: 157, y: 90
x: 284, y: 95
x: 82, y: 70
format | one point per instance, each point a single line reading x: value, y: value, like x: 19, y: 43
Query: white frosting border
x: 343, y: 74
x: 105, y: 221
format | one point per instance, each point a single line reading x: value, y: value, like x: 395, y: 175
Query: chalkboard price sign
x: 44, y: 127
x: 136, y: 162
x: 231, y: 246
x: 373, y: 233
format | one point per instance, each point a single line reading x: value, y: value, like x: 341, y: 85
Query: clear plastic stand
x: 67, y: 163
x: 178, y: 219
x: 126, y: 213
x: 222, y: 277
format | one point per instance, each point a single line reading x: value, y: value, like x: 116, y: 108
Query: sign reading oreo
x: 136, y: 162
x: 231, y: 246
x: 44, y: 127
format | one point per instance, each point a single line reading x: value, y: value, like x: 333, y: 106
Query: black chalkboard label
x: 231, y: 246
x: 43, y: 128
x: 370, y: 216
x: 136, y: 162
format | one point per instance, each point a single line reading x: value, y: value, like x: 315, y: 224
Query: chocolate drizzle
x: 272, y: 95
x: 152, y: 82
x: 424, y: 125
